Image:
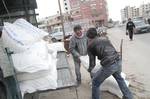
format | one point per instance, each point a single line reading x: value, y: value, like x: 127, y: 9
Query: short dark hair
x: 91, y: 33
x: 77, y: 27
x: 129, y: 19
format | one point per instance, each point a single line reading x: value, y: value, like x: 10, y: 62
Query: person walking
x: 110, y: 62
x: 78, y: 47
x: 130, y: 27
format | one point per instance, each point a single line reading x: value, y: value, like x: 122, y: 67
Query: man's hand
x: 89, y: 70
x: 78, y: 59
x: 127, y: 32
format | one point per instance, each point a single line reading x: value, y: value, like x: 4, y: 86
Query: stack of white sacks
x: 110, y: 83
x: 34, y: 60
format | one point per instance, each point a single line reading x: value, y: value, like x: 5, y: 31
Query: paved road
x: 136, y: 59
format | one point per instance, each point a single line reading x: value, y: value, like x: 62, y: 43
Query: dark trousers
x: 77, y: 64
x: 131, y: 34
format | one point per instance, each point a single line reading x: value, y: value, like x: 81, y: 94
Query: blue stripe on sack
x: 12, y: 36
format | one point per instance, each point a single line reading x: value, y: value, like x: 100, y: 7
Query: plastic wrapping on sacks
x: 47, y: 80
x: 59, y: 46
x: 33, y: 59
x: 16, y: 38
x: 36, y: 32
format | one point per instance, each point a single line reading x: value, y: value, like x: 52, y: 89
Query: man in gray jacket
x: 78, y: 47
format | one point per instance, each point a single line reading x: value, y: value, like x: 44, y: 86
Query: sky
x: 50, y: 7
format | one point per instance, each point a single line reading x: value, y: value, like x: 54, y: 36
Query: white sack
x: 36, y: 32
x: 41, y: 80
x: 23, y: 76
x: 32, y: 60
x: 19, y: 34
x: 16, y: 38
x: 110, y: 83
x: 56, y: 47
x: 12, y: 44
x: 111, y: 86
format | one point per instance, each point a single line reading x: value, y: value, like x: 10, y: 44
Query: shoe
x: 131, y: 39
x: 78, y: 83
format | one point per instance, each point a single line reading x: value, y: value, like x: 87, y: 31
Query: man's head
x: 91, y: 33
x: 129, y: 19
x: 78, y: 30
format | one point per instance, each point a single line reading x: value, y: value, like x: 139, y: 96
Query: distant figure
x: 78, y: 47
x: 110, y: 62
x: 130, y: 28
x: 148, y: 20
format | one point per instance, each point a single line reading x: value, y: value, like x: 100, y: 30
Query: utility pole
x: 62, y: 21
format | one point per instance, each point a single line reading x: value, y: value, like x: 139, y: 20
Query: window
x: 77, y: 12
x: 66, y: 8
x: 65, y: 3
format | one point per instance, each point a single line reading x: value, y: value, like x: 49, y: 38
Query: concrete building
x: 129, y: 12
x: 49, y: 23
x: 144, y: 10
x: 124, y: 13
x: 67, y: 7
x: 133, y: 12
x: 93, y: 10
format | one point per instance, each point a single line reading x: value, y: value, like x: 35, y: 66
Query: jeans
x: 103, y: 73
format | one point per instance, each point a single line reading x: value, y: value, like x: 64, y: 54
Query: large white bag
x: 42, y: 80
x: 24, y: 76
x: 33, y: 59
x: 12, y: 44
x: 16, y: 38
x: 36, y: 32
x: 58, y: 46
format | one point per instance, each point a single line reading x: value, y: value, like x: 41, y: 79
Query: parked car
x: 57, y: 35
x: 141, y: 27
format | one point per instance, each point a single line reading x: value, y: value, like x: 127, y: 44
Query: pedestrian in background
x: 130, y: 28
x: 78, y: 47
x: 110, y: 62
x: 148, y: 20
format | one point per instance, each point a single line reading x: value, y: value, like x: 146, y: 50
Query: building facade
x: 129, y: 12
x: 51, y: 22
x: 67, y: 7
x: 93, y: 10
x: 133, y: 12
x: 144, y: 10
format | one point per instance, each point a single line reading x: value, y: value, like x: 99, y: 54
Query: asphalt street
x: 136, y: 59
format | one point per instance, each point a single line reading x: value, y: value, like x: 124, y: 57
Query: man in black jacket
x: 130, y: 28
x: 110, y: 62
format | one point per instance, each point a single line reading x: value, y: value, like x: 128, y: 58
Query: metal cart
x: 65, y: 78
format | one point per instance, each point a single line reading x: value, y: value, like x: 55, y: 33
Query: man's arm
x: 91, y: 61
x: 126, y: 26
x: 72, y: 46
x: 133, y: 24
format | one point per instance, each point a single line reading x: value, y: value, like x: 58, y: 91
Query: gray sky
x: 50, y: 7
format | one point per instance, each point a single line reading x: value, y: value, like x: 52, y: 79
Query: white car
x: 58, y: 36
